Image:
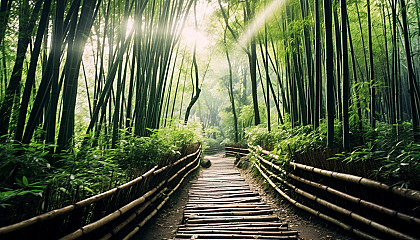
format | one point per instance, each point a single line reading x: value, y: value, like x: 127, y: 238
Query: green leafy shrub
x: 88, y: 168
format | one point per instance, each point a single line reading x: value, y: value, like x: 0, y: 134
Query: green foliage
x: 81, y: 171
x: 141, y: 153
x: 300, y: 138
x: 397, y: 158
x: 388, y: 157
x: 19, y: 160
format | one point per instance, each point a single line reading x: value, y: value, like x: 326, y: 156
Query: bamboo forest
x: 107, y: 105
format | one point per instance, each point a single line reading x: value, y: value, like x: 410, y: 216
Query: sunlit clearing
x: 192, y: 35
x: 259, y: 21
x: 130, y: 25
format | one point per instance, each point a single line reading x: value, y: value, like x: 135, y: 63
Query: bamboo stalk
x: 245, y: 227
x: 348, y: 197
x: 178, y: 161
x: 229, y: 213
x: 244, y: 232
x: 235, y: 148
x: 234, y: 153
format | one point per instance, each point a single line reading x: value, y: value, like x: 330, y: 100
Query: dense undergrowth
x: 387, y: 153
x: 31, y: 179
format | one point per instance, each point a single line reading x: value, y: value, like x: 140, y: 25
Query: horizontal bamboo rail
x: 168, y: 173
x: 364, y: 203
x: 141, y: 224
x: 409, y: 194
x: 313, y: 211
x: 359, y: 201
x: 235, y: 150
x: 67, y: 209
x: 342, y: 210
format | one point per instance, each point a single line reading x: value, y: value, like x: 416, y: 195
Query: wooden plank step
x: 233, y: 228
x: 229, y: 219
x: 242, y: 232
x: 227, y: 205
x: 223, y: 195
x: 230, y: 213
x: 238, y: 224
x: 211, y: 210
x: 230, y: 236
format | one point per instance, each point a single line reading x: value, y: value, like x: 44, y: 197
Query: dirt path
x: 165, y: 224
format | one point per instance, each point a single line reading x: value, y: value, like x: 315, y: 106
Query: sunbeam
x: 259, y: 21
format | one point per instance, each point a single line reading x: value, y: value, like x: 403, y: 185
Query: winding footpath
x: 222, y: 206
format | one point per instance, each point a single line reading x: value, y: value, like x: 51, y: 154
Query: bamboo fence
x: 115, y: 214
x: 233, y: 151
x: 331, y: 196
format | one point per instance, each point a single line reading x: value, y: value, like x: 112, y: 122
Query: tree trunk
x: 230, y: 90
x: 27, y: 22
x: 329, y: 71
x: 371, y: 71
x: 318, y: 69
x: 413, y: 89
x: 30, y: 78
x: 345, y: 75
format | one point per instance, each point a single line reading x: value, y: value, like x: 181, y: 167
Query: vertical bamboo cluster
x: 369, y: 63
x: 120, y: 55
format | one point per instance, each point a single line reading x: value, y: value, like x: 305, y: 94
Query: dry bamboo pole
x: 342, y: 210
x: 101, y: 222
x: 58, y: 212
x: 346, y: 196
x: 141, y: 224
x: 118, y: 228
x: 407, y: 193
x: 235, y: 148
x: 359, y: 201
x: 314, y: 212
x: 269, y: 163
x: 182, y: 169
x: 234, y: 153
x: 236, y: 228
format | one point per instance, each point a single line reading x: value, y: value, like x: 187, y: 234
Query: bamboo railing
x: 115, y: 214
x: 233, y: 151
x: 348, y: 201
